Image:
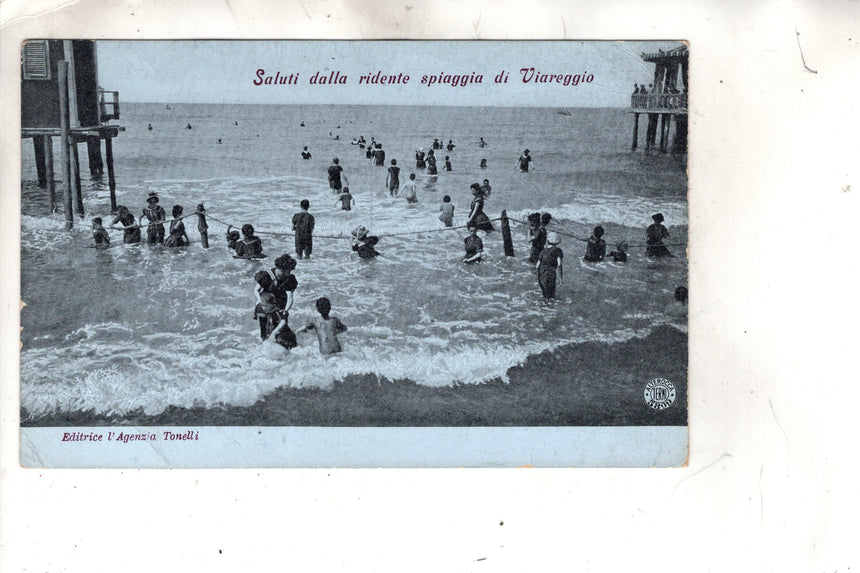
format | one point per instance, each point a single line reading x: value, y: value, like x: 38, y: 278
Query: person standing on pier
x: 156, y: 215
x: 335, y: 174
x: 303, y: 226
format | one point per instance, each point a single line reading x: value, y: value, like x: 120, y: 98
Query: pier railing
x: 659, y: 102
x: 108, y: 105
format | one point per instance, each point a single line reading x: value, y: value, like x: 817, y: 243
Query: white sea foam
x: 150, y: 383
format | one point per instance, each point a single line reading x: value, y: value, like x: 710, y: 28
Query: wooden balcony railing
x: 659, y: 102
x: 108, y: 105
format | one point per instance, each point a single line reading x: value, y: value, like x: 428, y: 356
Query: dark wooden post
x: 111, y: 180
x: 94, y: 150
x: 76, y: 165
x: 635, y: 131
x: 651, y: 136
x: 39, y: 152
x: 202, y: 226
x: 663, y: 132
x: 506, y: 235
x: 63, y: 81
x: 49, y: 171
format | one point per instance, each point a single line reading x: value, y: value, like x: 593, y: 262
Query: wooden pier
x: 664, y: 102
x: 60, y: 97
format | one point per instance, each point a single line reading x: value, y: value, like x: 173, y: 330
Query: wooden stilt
x: 506, y: 235
x: 94, y: 150
x: 111, y: 180
x: 679, y: 145
x: 76, y: 165
x: 651, y: 136
x: 39, y: 152
x: 49, y: 171
x: 635, y: 132
x: 63, y: 81
x: 663, y: 132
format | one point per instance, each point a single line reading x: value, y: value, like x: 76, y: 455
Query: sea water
x: 140, y: 328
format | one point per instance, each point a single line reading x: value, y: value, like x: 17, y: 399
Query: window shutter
x: 35, y: 60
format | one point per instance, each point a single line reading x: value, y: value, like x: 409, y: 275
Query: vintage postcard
x: 354, y: 253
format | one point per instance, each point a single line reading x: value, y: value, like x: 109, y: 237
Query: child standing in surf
x: 346, y: 200
x: 446, y: 209
x: 327, y: 328
x: 100, y: 236
x: 408, y: 190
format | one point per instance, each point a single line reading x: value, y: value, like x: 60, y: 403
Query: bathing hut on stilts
x: 61, y: 97
x: 664, y: 102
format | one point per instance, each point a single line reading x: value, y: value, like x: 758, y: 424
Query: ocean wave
x: 150, y: 383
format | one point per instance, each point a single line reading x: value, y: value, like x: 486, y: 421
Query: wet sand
x: 581, y: 384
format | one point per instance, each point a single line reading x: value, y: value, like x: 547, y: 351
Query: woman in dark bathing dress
x: 178, y: 237
x: 127, y: 219
x: 477, y: 217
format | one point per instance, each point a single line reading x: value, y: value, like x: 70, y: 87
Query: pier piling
x: 49, y: 171
x: 94, y: 151
x: 76, y: 165
x: 39, y: 152
x: 635, y: 132
x: 111, y: 180
x: 63, y: 77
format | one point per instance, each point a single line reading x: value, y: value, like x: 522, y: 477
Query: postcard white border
x: 347, y: 447
x: 771, y: 482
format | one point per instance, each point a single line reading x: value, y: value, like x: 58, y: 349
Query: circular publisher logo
x: 659, y: 393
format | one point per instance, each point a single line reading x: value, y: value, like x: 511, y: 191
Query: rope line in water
x: 146, y: 225
x: 586, y: 240
x: 342, y: 236
x: 274, y: 233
